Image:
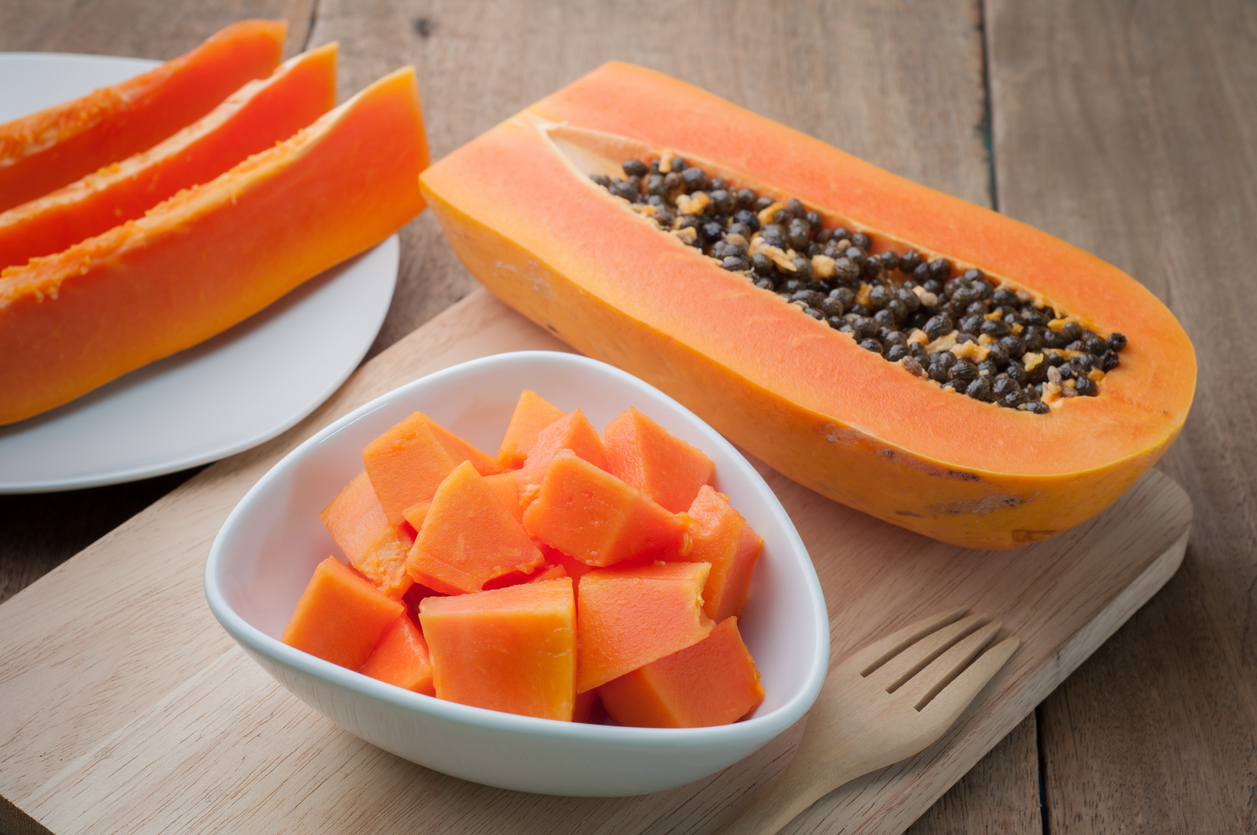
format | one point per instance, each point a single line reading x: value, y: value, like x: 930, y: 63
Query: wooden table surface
x: 1127, y: 128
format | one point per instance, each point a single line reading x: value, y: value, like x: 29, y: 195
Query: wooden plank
x: 130, y: 710
x: 1131, y: 131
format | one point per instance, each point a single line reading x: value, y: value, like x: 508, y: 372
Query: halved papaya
x: 521, y: 208
x: 252, y: 119
x: 212, y: 255
x: 56, y: 146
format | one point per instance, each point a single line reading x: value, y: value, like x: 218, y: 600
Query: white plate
x: 227, y: 394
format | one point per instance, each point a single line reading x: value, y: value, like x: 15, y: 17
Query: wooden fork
x: 883, y: 704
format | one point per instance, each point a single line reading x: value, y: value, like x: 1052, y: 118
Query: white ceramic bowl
x: 267, y: 549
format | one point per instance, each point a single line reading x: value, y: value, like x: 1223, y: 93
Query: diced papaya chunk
x: 468, y: 537
x: 720, y: 536
x: 572, y: 431
x: 417, y: 513
x: 355, y: 517
x: 644, y: 454
x: 340, y: 616
x: 507, y: 489
x: 630, y: 617
x: 384, y: 563
x: 409, y: 461
x: 571, y: 567
x: 511, y: 649
x: 713, y: 682
x: 401, y: 658
x: 594, y: 517
x: 532, y: 414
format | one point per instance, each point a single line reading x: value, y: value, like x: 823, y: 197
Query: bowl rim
x: 757, y: 727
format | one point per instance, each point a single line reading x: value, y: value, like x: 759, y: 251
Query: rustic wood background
x: 1127, y: 128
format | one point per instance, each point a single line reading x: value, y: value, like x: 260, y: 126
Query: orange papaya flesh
x: 573, y: 568
x: 46, y: 150
x: 540, y: 574
x: 252, y: 119
x: 340, y: 616
x: 409, y: 461
x: 401, y: 658
x: 532, y: 414
x: 645, y: 455
x: 415, y: 595
x: 793, y: 391
x: 592, y: 516
x: 511, y: 649
x: 416, y: 513
x: 722, y: 538
x: 355, y: 517
x: 713, y: 682
x: 571, y: 432
x: 506, y: 489
x: 384, y: 562
x: 211, y: 255
x: 468, y: 537
x: 631, y: 617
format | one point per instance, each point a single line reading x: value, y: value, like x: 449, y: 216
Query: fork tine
x: 913, y: 659
x: 926, y: 684
x: 878, y: 653
x: 952, y: 700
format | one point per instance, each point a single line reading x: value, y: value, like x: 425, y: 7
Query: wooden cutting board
x: 126, y: 708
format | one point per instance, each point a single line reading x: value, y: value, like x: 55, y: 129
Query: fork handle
x: 811, y: 775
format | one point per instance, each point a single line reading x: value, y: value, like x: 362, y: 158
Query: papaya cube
x: 384, y: 563
x: 401, y: 658
x: 507, y: 490
x: 532, y: 414
x: 417, y: 513
x: 573, y: 432
x: 592, y: 516
x: 511, y: 649
x: 340, y: 616
x: 355, y: 517
x: 630, y: 617
x: 713, y: 682
x: 409, y: 461
x: 644, y: 454
x: 468, y: 537
x: 720, y: 536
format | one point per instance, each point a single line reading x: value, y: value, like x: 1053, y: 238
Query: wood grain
x: 1131, y: 131
x: 130, y: 709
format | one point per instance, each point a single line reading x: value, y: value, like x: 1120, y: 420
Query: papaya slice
x: 647, y: 456
x: 713, y: 682
x: 506, y: 489
x: 630, y: 617
x: 511, y: 649
x: 56, y: 146
x: 252, y: 119
x: 355, y: 517
x: 468, y: 537
x: 340, y: 616
x: 211, y: 255
x: 401, y: 658
x: 520, y: 209
x: 532, y: 414
x: 595, y: 518
x: 721, y: 537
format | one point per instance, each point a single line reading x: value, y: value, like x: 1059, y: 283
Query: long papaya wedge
x: 48, y: 149
x: 252, y: 119
x: 211, y: 255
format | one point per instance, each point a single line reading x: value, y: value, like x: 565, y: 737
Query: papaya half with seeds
x: 522, y: 209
